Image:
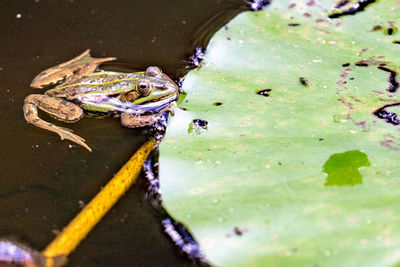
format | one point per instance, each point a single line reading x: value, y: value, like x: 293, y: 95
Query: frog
x: 79, y: 87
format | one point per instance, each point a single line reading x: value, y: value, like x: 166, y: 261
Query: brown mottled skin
x: 139, y: 99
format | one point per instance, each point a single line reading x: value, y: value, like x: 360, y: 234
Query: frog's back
x: 97, y: 82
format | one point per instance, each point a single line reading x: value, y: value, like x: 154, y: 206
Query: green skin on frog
x: 139, y: 98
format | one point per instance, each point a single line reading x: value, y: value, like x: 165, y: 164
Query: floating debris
x: 197, y: 57
x: 183, y: 239
x: 355, y: 8
x: 389, y: 117
x: 264, y: 92
x: 257, y: 5
x: 197, y: 127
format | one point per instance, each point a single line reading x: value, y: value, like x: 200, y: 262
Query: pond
x: 45, y: 180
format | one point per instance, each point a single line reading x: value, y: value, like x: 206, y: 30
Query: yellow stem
x: 79, y: 227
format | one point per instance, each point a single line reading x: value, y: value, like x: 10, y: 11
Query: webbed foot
x: 66, y: 133
x: 59, y: 109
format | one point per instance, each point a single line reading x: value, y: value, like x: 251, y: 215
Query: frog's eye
x: 144, y: 87
x: 153, y: 72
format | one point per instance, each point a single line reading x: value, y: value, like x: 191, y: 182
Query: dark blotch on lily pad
x: 303, y: 81
x: 343, y: 168
x: 264, y: 92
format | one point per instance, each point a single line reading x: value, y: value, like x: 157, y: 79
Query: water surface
x: 44, y: 180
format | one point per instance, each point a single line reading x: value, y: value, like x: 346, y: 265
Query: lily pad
x: 296, y: 166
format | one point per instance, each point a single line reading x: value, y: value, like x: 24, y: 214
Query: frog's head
x: 153, y: 86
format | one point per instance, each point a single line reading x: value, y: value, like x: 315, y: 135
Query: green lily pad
x: 294, y: 167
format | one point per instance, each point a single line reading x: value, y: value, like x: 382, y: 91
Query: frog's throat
x: 114, y: 104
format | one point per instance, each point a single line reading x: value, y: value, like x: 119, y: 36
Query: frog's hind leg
x: 57, y: 108
x: 69, y: 71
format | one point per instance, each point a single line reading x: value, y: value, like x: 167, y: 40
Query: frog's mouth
x: 140, y: 109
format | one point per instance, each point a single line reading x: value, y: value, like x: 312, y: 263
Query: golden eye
x: 144, y: 87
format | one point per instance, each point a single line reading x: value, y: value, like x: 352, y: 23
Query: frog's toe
x: 65, y: 133
x: 66, y: 129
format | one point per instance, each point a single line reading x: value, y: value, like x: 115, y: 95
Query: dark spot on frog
x: 217, y: 104
x: 346, y: 64
x: 343, y: 168
x: 228, y: 38
x: 393, y: 83
x: 357, y: 7
x: 226, y: 27
x: 28, y: 113
x: 294, y: 24
x: 280, y: 163
x: 321, y: 139
x: 303, y: 81
x: 351, y: 78
x: 389, y: 117
x: 292, y: 5
x: 264, y: 92
x: 64, y: 102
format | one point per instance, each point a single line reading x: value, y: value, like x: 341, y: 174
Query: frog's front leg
x: 57, y: 108
x: 130, y: 120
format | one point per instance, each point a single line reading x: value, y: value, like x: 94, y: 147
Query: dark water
x: 43, y: 178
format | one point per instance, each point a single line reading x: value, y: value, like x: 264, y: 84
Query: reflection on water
x: 44, y: 180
